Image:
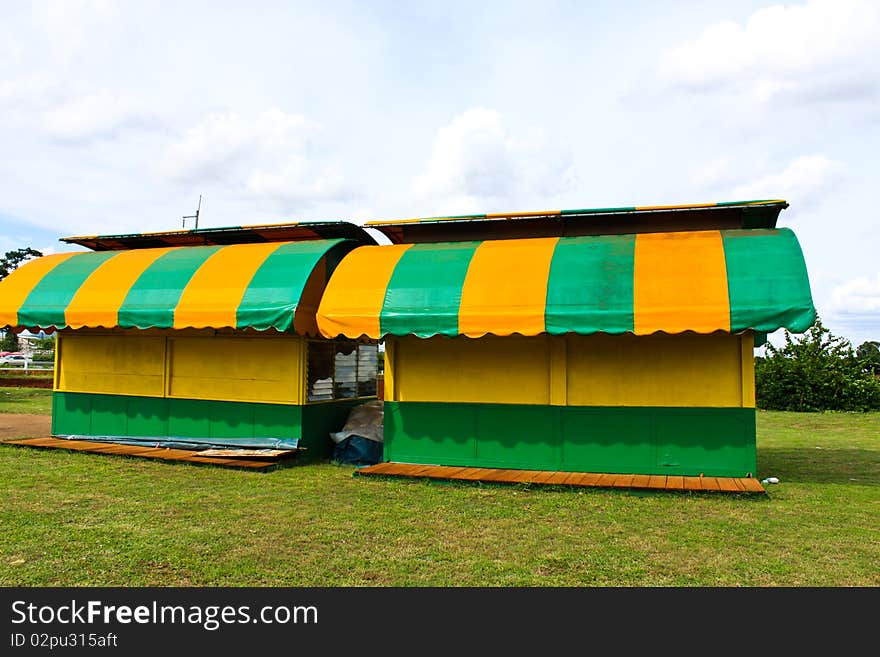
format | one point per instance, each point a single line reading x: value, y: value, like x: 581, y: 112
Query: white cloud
x: 715, y: 172
x: 71, y: 26
x: 220, y: 142
x: 821, y: 50
x: 101, y: 114
x: 27, y: 93
x: 855, y: 307
x: 297, y: 182
x: 859, y: 296
x: 475, y: 161
x: 274, y: 156
x: 10, y: 49
x: 800, y: 182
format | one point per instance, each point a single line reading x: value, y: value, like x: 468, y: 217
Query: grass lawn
x: 26, y: 400
x: 79, y: 519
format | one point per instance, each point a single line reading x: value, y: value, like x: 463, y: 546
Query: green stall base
x: 715, y: 442
x: 86, y: 414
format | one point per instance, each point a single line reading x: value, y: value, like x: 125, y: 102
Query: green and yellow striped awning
x: 261, y: 286
x: 700, y: 281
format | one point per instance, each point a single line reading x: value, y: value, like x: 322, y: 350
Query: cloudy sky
x: 117, y: 115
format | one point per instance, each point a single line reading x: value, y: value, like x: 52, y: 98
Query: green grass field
x: 79, y: 519
x: 26, y: 400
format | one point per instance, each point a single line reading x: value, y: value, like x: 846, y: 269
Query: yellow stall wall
x: 111, y: 364
x: 510, y: 370
x: 234, y: 369
x: 685, y: 370
x: 656, y: 370
x: 185, y: 364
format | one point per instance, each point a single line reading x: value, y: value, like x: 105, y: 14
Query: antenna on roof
x: 194, y: 216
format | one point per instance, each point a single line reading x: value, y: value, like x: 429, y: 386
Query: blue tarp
x: 175, y: 442
x: 357, y: 450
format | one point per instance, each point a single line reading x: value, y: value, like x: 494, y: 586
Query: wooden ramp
x: 584, y: 479
x: 259, y: 464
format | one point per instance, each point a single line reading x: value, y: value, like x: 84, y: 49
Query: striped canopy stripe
x: 700, y: 281
x: 238, y: 286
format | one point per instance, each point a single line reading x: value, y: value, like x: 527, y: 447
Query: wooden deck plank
x: 590, y: 479
x: 727, y: 485
x: 108, y: 449
x: 238, y: 463
x: 436, y: 472
x: 550, y: 478
x: 129, y: 449
x: 48, y: 442
x: 76, y: 445
x: 500, y: 475
x: 410, y: 470
x: 167, y: 454
x: 32, y: 441
x: 419, y: 471
x: 641, y: 481
x: 623, y: 481
x: 456, y: 473
x: 472, y: 475
x: 379, y: 468
x: 246, y: 464
x: 487, y: 474
x: 674, y: 482
x: 425, y: 471
x: 159, y: 453
x: 387, y: 469
x: 461, y: 475
x: 88, y: 446
x: 752, y: 485
x: 710, y: 483
x: 692, y: 483
x: 509, y: 476
x: 576, y: 479
x: 406, y: 469
x: 543, y: 476
x: 120, y: 449
x: 243, y: 454
x: 522, y: 476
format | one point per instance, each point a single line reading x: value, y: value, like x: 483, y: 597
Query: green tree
x: 44, y: 350
x: 13, y: 259
x: 818, y: 371
x: 9, y: 341
x: 45, y: 344
x: 868, y: 354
